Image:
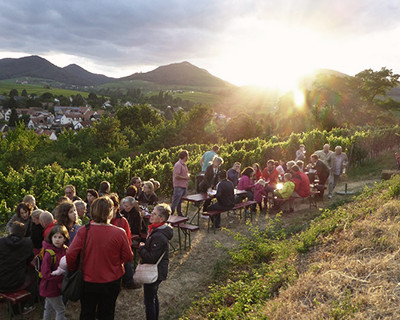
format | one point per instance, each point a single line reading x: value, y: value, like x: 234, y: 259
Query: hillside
x: 37, y: 67
x: 183, y: 73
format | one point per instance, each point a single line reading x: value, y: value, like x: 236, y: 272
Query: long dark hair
x: 248, y: 171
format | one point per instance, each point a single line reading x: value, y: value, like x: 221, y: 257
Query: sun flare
x: 268, y: 54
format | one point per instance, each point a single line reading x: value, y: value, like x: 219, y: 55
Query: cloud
x: 129, y: 33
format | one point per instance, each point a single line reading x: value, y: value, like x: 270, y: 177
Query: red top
x: 272, y: 176
x: 124, y: 224
x: 107, y: 249
x: 48, y: 229
x: 180, y: 169
x: 302, y: 184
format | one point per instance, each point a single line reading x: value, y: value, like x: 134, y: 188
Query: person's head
x: 35, y: 216
x: 236, y: 166
x: 287, y: 177
x: 91, y: 194
x: 256, y: 167
x: 338, y: 150
x: 215, y: 148
x: 314, y: 158
x: 290, y: 164
x: 62, y: 199
x: 156, y: 184
x: 101, y: 210
x: 161, y: 213
x: 326, y: 148
x: 148, y: 187
x: 66, y: 214
x: 282, y: 162
x: 128, y: 203
x: 300, y: 164
x: 136, y: 182
x: 17, y: 229
x: 23, y: 210
x: 302, y: 147
x: 70, y: 191
x: 131, y: 191
x: 217, y: 161
x: 222, y: 175
x: 30, y: 199
x: 270, y: 164
x: 115, y: 199
x: 262, y: 182
x: 184, y: 155
x: 295, y: 169
x: 80, y: 206
x: 58, y: 236
x: 45, y: 219
x: 105, y: 187
x: 248, y: 171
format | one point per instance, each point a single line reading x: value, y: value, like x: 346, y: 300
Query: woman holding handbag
x: 107, y: 249
x: 156, y: 246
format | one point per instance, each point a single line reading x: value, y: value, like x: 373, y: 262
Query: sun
x: 268, y: 54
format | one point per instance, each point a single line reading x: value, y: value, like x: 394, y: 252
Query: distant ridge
x: 37, y: 67
x: 183, y: 73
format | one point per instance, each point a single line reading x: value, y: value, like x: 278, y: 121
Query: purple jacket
x: 50, y: 286
x: 245, y: 183
x: 259, y: 192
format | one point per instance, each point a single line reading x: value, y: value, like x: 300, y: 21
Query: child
x: 50, y: 286
x: 286, y: 192
x: 259, y: 192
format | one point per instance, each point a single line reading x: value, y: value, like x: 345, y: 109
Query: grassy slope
x: 7, y: 85
x: 338, y: 267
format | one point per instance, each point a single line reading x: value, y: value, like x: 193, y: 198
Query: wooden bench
x: 187, y: 229
x: 248, y: 212
x: 15, y: 298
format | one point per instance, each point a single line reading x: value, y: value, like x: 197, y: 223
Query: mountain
x: 308, y: 80
x: 37, y: 67
x: 183, y: 73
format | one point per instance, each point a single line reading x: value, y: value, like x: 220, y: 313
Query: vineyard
x: 47, y: 183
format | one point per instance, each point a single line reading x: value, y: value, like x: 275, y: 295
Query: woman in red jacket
x: 107, y: 249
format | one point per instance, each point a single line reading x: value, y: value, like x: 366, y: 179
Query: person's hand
x: 141, y: 244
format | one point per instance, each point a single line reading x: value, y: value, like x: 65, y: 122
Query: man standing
x: 322, y: 172
x: 225, y: 198
x: 208, y: 157
x: 337, y: 162
x: 324, y: 153
x: 180, y: 179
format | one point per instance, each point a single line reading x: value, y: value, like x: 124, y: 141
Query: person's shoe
x: 329, y: 196
x: 28, y: 309
x: 132, y: 286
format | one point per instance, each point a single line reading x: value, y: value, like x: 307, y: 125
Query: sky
x: 245, y: 42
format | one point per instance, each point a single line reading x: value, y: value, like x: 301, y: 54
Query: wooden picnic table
x: 175, y: 221
x: 198, y: 199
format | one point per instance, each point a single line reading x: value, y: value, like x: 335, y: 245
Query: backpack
x: 39, y: 260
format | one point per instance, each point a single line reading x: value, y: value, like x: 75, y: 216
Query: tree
x: 24, y: 93
x: 13, y: 121
x: 13, y: 93
x: 370, y: 84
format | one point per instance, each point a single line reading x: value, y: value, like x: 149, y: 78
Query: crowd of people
x: 114, y: 229
x: 281, y: 179
x: 59, y: 239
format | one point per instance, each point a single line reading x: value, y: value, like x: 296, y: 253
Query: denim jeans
x: 54, y: 304
x: 177, y: 200
x: 151, y: 300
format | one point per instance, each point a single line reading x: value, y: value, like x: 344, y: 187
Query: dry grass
x: 353, y: 274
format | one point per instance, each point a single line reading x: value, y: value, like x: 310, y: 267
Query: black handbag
x: 72, y: 284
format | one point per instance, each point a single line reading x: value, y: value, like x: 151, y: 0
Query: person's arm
x: 46, y: 268
x: 126, y: 250
x: 181, y: 174
x: 75, y: 249
x: 157, y: 248
x: 13, y: 218
x: 202, y: 161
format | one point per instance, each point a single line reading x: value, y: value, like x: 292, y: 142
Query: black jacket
x: 210, y: 179
x: 16, y: 253
x: 226, y: 194
x: 134, y: 220
x: 156, y: 244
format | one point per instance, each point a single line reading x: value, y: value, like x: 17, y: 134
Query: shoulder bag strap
x: 84, y: 247
x: 160, y: 258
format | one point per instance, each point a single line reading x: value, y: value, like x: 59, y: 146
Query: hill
x: 183, y: 73
x: 37, y: 67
